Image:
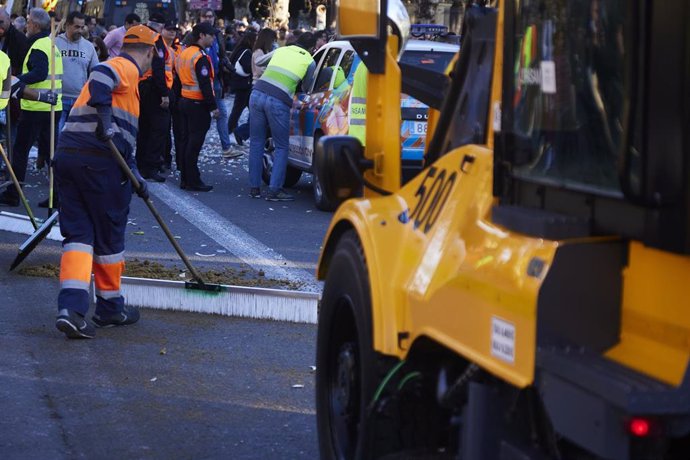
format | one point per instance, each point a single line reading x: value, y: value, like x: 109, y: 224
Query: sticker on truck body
x: 503, y: 339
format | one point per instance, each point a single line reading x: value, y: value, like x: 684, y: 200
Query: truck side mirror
x: 334, y: 159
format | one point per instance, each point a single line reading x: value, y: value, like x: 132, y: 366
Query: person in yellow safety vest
x: 270, y: 104
x: 12, y: 87
x: 198, y: 104
x: 398, y: 24
x: 95, y: 193
x: 358, y: 104
x: 15, y: 88
x: 169, y: 34
x: 323, y: 81
x: 339, y: 77
x: 34, y: 121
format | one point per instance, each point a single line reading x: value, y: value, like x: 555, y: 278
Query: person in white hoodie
x: 78, y: 58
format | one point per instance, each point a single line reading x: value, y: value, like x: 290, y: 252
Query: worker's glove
x: 143, y: 190
x: 105, y: 130
x: 49, y: 97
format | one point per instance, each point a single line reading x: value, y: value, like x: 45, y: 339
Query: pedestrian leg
x: 222, y: 120
x: 279, y: 120
x: 258, y: 132
x: 27, y: 130
x: 198, y: 124
x: 241, y: 102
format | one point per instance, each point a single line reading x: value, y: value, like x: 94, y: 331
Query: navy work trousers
x: 95, y: 197
x: 196, y: 122
x: 154, y: 129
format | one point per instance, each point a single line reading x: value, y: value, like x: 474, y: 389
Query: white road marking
x: 247, y: 248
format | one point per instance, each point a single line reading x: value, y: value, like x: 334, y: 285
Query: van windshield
x: 431, y: 60
x: 568, y: 92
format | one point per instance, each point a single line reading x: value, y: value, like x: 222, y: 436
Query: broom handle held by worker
x: 137, y: 184
x: 51, y: 178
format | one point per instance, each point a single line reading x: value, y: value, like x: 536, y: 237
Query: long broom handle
x: 51, y: 174
x: 8, y: 125
x: 135, y: 183
x: 19, y: 188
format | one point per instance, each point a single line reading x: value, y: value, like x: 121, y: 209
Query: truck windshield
x: 568, y: 92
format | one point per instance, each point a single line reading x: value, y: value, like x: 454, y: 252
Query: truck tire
x: 348, y: 369
x: 323, y: 200
x: 292, y: 174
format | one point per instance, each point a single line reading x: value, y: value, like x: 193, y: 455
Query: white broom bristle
x: 258, y: 303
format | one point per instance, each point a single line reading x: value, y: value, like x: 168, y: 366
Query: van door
x: 307, y: 107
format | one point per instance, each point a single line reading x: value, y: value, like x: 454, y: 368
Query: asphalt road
x: 175, y: 385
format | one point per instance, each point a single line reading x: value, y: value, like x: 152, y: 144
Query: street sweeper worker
x: 94, y: 192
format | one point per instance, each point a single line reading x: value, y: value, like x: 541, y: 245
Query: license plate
x: 419, y: 128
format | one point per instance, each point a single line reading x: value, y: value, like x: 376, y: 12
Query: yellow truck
x: 524, y: 297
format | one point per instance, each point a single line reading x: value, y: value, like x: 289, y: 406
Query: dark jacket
x: 156, y: 82
x: 237, y: 81
x: 37, y: 64
x: 15, y: 46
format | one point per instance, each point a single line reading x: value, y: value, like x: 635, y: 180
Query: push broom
x: 200, y: 296
x: 42, y: 231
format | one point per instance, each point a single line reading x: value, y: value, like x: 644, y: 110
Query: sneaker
x: 255, y: 192
x: 74, y: 325
x: 155, y: 177
x: 6, y: 199
x: 231, y: 153
x: 128, y: 315
x: 199, y: 187
x: 279, y: 195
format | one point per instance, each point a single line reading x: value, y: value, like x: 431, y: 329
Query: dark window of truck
x: 568, y: 92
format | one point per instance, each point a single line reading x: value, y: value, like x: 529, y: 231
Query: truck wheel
x: 348, y: 369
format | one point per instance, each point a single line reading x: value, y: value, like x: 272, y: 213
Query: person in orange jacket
x: 95, y: 194
x: 198, y: 104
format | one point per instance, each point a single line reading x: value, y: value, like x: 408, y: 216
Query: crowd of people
x: 195, y: 67
x: 139, y: 91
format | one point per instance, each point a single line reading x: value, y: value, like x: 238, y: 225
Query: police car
x: 323, y: 109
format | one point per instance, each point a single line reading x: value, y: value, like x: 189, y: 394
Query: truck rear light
x: 639, y: 427
x: 643, y: 427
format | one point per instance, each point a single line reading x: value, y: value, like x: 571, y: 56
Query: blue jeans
x: 222, y: 120
x: 268, y: 112
x: 67, y: 103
